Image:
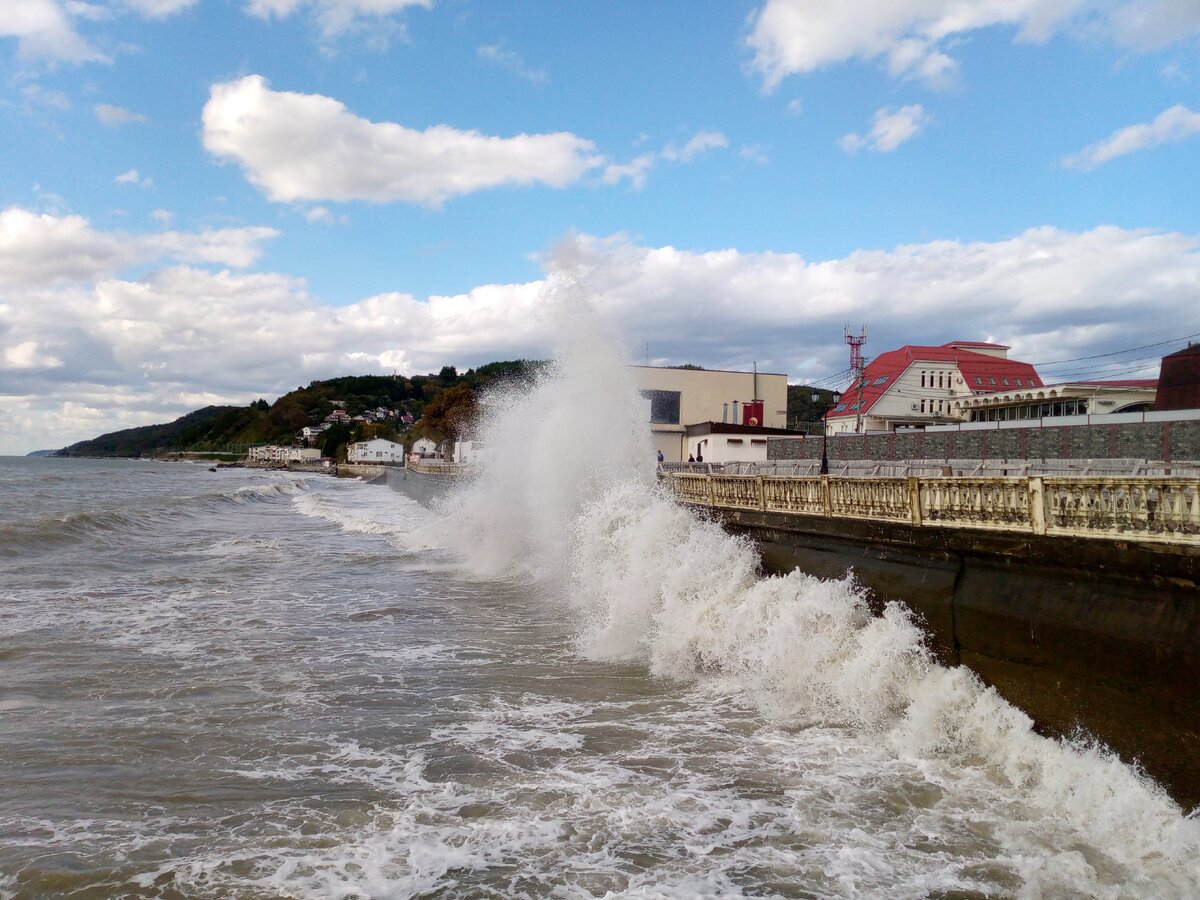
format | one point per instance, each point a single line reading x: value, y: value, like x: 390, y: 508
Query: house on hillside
x: 424, y: 447
x: 376, y: 450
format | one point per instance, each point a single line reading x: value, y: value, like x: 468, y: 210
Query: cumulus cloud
x: 889, y: 129
x: 45, y: 29
x: 334, y: 17
x: 132, y: 177
x: 639, y: 167
x: 701, y: 142
x: 116, y: 115
x: 297, y: 147
x: 79, y: 357
x: 914, y: 39
x: 42, y: 249
x: 1170, y: 125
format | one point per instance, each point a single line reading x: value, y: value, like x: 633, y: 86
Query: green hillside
x: 231, y: 428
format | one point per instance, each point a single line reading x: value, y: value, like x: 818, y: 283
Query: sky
x: 211, y: 201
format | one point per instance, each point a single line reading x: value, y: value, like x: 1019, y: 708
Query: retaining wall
x: 1155, y: 440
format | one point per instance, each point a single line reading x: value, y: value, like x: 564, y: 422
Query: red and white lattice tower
x: 857, y: 366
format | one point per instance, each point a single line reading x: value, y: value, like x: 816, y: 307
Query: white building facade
x: 376, y: 450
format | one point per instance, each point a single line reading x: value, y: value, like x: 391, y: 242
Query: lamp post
x: 825, y: 405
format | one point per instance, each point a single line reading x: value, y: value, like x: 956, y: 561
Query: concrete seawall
x: 1080, y: 633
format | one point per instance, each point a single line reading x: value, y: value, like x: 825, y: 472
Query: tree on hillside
x: 800, y: 407
x: 334, y: 440
x: 449, y: 414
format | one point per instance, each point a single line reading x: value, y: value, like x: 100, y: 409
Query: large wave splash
x: 569, y: 500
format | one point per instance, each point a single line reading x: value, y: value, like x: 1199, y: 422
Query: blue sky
x: 207, y: 201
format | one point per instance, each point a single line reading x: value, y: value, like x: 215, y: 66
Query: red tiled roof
x: 894, y: 363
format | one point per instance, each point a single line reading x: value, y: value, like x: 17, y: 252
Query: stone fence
x: 1153, y: 437
x: 1164, y: 510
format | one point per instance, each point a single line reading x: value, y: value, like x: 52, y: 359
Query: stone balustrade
x: 1157, y: 509
x: 439, y: 467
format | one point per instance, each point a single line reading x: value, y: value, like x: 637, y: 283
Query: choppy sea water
x: 252, y: 684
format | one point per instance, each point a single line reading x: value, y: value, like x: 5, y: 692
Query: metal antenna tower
x: 857, y: 367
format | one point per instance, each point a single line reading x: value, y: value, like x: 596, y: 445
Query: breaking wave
x: 569, y: 503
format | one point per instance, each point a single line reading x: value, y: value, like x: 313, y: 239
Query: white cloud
x: 889, y: 129
x: 914, y: 38
x: 1170, y: 125
x: 81, y: 358
x: 116, y: 115
x: 309, y: 147
x: 638, y: 168
x: 334, y: 17
x: 701, y: 142
x: 160, y: 9
x: 635, y: 170
x: 1151, y: 24
x: 44, y: 30
x: 36, y: 95
x: 41, y: 249
x: 132, y: 177
x: 163, y: 216
x: 29, y: 355
x: 755, y: 154
x: 324, y: 216
x: 512, y: 62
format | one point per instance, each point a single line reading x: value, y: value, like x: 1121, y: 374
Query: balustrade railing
x: 1158, y: 509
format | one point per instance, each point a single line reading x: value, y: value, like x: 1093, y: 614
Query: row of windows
x: 1005, y: 381
x: 1031, y: 411
x: 935, y: 379
x: 842, y: 407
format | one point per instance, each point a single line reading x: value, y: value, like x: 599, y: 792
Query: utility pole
x: 857, y: 366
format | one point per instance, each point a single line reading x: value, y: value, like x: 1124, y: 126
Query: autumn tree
x: 449, y: 414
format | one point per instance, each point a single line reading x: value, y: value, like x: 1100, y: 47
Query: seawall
x: 1090, y: 635
x: 1154, y: 436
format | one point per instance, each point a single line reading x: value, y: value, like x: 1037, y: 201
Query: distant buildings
x: 969, y: 381
x: 273, y: 454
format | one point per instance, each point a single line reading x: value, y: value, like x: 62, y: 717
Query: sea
x: 557, y: 683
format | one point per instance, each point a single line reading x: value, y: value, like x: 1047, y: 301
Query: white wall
x: 375, y: 450
x: 723, y: 448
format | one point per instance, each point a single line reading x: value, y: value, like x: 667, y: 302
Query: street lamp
x: 825, y: 405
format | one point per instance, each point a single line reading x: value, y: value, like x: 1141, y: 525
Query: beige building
x: 677, y: 398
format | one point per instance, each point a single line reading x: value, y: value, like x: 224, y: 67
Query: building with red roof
x: 970, y: 381
x: 918, y: 385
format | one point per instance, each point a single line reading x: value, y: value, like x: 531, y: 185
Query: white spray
x: 569, y: 500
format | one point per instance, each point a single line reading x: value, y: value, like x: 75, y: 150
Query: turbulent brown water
x: 246, y: 684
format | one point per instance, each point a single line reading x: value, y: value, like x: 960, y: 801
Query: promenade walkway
x: 1150, y: 508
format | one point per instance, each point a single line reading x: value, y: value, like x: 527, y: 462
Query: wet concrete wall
x: 1095, y: 635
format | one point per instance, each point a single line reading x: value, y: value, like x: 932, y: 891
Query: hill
x: 232, y: 428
